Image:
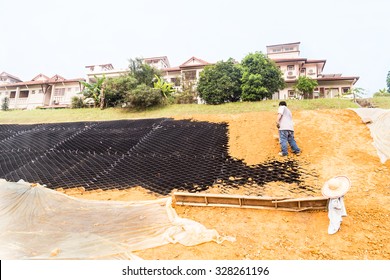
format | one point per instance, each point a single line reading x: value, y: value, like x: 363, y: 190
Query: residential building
x: 106, y: 70
x: 186, y: 74
x: 287, y: 58
x: 41, y: 91
x: 159, y: 62
x: 6, y: 78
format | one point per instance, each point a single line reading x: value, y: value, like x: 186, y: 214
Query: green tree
x: 94, y: 90
x: 305, y: 86
x: 220, y: 83
x: 388, y: 81
x: 143, y: 73
x: 261, y: 77
x: 116, y: 89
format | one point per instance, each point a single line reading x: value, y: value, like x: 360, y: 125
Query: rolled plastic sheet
x: 40, y: 223
x: 378, y: 121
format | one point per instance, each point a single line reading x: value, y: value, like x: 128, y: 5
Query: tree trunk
x: 102, y: 98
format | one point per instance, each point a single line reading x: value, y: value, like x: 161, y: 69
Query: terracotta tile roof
x: 48, y: 81
x: 201, y: 62
x: 57, y: 78
x: 316, y: 61
x: 40, y: 76
x: 171, y: 69
x: 339, y: 78
x: 288, y: 59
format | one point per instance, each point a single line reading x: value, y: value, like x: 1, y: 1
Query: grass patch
x: 95, y: 114
x: 381, y: 102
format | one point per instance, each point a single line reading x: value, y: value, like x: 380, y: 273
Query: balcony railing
x: 58, y: 100
x: 18, y: 103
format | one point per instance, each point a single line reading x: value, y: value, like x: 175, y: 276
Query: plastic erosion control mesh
x: 160, y: 155
x: 40, y: 223
x: 378, y: 120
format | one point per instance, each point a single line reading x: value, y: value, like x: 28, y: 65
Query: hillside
x: 334, y: 142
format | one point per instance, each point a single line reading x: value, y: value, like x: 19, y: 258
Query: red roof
x: 288, y: 59
x: 40, y: 76
x: 316, y: 60
x: 56, y: 79
x: 201, y: 62
x: 338, y: 78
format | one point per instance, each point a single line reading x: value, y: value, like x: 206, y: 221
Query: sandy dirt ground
x: 333, y: 142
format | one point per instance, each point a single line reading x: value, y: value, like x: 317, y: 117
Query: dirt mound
x: 334, y: 142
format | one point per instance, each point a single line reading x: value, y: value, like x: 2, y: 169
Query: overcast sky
x: 62, y: 37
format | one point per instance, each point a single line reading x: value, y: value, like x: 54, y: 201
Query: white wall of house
x: 62, y: 94
x: 33, y: 96
x: 311, y: 71
x: 108, y: 74
x: 283, y: 51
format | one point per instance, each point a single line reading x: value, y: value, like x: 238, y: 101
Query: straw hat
x: 336, y: 187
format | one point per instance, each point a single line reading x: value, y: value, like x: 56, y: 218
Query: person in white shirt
x: 335, y: 189
x: 285, y: 125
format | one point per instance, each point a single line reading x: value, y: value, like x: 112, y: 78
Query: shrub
x: 185, y: 98
x: 143, y: 97
x: 5, y: 104
x: 77, y: 102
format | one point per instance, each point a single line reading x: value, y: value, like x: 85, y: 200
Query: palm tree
x: 94, y: 90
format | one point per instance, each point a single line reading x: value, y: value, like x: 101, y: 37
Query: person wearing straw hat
x: 335, y: 189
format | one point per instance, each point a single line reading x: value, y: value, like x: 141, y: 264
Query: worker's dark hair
x: 282, y: 103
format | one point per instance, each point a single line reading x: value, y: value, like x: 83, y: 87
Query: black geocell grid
x: 160, y: 155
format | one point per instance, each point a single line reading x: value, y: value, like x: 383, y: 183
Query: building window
x: 23, y: 94
x: 276, y: 50
x: 13, y: 94
x: 40, y: 91
x: 303, y: 70
x: 190, y: 75
x: 59, y: 92
x: 290, y: 67
x: 346, y: 89
x: 33, y: 92
x: 289, y: 49
x: 175, y: 81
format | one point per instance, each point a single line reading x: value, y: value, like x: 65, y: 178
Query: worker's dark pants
x: 287, y: 136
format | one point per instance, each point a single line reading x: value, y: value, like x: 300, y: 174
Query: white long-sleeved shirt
x: 336, y: 210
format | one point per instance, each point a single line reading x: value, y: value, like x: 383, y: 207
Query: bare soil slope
x: 334, y: 142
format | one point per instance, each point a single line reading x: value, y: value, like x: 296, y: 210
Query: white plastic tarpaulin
x: 40, y: 223
x: 378, y: 120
